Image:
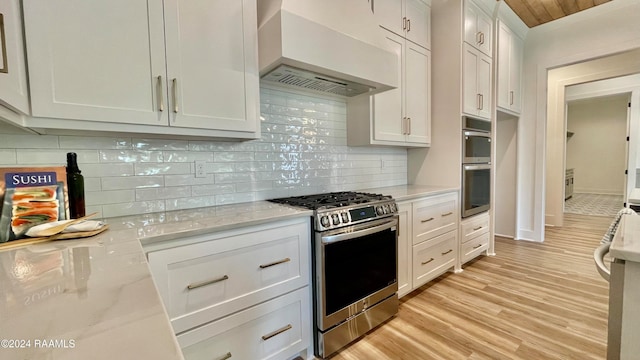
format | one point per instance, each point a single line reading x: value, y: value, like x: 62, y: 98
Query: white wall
x: 505, y: 174
x: 302, y: 151
x: 597, y: 150
x: 602, y: 30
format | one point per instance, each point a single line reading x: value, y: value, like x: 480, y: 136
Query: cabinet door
x: 477, y: 28
x: 418, y: 93
x: 96, y: 60
x: 212, y: 65
x: 471, y: 96
x: 515, y: 73
x: 419, y: 22
x: 404, y: 249
x: 390, y: 15
x: 504, y: 72
x: 484, y: 86
x: 13, y: 78
x: 476, y: 83
x: 388, y: 115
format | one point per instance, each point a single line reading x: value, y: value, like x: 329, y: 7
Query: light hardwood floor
x: 530, y: 301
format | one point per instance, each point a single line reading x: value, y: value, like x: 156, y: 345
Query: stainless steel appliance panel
x: 476, y: 189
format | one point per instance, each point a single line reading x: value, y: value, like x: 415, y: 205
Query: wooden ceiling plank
x: 584, y: 4
x: 553, y: 8
x: 540, y: 12
x: 519, y: 7
x: 568, y: 6
x: 600, y: 2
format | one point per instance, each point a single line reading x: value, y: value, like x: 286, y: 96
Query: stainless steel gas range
x: 354, y: 264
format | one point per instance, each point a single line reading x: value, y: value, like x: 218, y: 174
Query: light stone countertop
x: 411, y: 192
x: 626, y: 242
x: 94, y: 298
x: 634, y: 197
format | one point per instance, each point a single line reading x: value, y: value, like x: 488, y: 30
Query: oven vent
x: 288, y: 75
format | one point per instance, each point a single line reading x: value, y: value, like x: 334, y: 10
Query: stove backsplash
x: 302, y: 151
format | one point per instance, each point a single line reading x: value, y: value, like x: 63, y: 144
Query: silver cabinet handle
x: 478, y: 37
x: 408, y: 25
x: 478, y: 228
x: 510, y: 97
x: 446, y: 214
x: 5, y: 68
x: 404, y: 23
x: 277, y: 332
x: 481, y: 38
x: 426, y: 220
x: 206, y: 282
x: 428, y: 261
x: 225, y: 356
x: 478, y: 105
x: 409, y: 126
x: 446, y: 252
x: 264, y: 266
x: 175, y: 95
x: 477, y: 246
x: 481, y: 101
x: 159, y: 94
x: 404, y: 125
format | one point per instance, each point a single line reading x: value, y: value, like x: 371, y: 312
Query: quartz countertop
x: 626, y: 242
x: 634, y: 197
x: 94, y: 298
x: 411, y: 192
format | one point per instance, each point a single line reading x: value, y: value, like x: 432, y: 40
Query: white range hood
x: 332, y: 46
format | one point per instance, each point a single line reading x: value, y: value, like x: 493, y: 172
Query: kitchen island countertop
x: 626, y: 242
x: 94, y: 298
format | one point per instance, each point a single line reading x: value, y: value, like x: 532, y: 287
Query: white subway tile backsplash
x: 109, y: 156
x: 303, y: 150
x: 131, y: 182
x: 15, y: 141
x: 8, y: 157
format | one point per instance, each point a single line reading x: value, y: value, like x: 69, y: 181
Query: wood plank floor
x: 530, y: 301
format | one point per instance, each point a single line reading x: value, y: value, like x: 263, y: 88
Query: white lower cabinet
x: 428, y: 239
x: 243, y: 292
x: 276, y: 329
x: 474, y: 237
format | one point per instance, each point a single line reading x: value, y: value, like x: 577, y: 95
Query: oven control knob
x: 335, y: 218
x: 386, y: 208
x: 324, y: 221
x: 379, y: 210
x: 345, y: 217
x: 393, y: 208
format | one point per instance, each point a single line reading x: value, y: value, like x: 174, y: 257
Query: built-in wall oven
x: 355, y: 264
x: 476, y: 166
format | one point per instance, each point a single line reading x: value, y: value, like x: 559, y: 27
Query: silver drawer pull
x: 428, y: 261
x: 477, y: 246
x: 206, y: 282
x: 478, y: 228
x: 225, y: 356
x: 447, y: 214
x: 275, y: 263
x: 277, y: 332
x: 446, y: 252
x: 427, y: 220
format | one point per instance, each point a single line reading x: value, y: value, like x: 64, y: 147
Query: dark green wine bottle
x: 75, y: 185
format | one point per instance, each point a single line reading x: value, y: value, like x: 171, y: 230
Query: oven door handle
x: 477, y: 133
x: 477, y: 167
x: 328, y: 239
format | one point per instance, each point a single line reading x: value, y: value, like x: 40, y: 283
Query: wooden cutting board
x: 61, y: 236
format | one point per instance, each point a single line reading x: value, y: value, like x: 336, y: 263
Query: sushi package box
x: 30, y: 196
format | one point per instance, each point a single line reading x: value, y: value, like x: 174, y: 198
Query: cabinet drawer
x: 430, y: 259
x: 475, y: 226
x: 474, y: 247
x: 276, y: 329
x: 207, y: 280
x: 434, y: 216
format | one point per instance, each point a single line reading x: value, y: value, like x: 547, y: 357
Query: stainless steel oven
x: 476, y: 188
x: 476, y: 147
x: 356, y: 281
x: 355, y: 265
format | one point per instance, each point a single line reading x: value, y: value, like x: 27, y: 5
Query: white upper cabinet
x: 188, y: 64
x: 476, y: 83
x: 13, y: 80
x: 510, y: 48
x: 401, y: 116
x: 478, y: 29
x: 212, y: 71
x: 408, y: 18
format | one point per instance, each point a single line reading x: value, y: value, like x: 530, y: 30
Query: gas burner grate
x: 331, y: 200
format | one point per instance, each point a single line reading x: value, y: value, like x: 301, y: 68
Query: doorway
x: 595, y: 157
